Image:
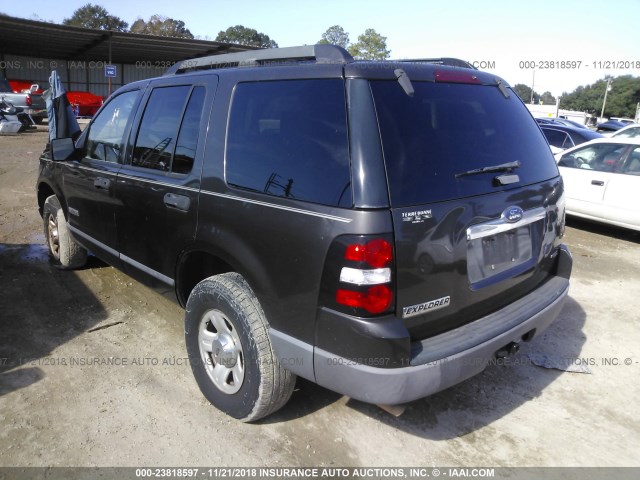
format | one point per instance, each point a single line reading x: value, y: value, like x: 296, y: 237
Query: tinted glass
x: 289, y: 139
x: 557, y: 138
x: 159, y: 128
x: 188, y: 136
x: 106, y: 134
x: 603, y: 157
x: 446, y: 129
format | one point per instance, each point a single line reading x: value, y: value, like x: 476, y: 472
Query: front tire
x: 63, y: 249
x: 230, y: 352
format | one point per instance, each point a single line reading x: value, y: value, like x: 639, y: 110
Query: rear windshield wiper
x: 505, y: 167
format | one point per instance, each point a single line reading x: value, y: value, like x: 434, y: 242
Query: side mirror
x: 62, y: 149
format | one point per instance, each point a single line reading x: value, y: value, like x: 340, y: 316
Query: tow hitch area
x: 508, y: 350
x: 395, y: 410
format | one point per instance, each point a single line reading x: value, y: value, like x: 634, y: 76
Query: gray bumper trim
x: 392, y: 386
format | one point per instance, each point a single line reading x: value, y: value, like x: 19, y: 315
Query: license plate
x: 491, y: 255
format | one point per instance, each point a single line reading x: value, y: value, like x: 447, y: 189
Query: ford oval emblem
x: 513, y: 214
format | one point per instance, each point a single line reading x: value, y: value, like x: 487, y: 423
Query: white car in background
x: 602, y: 181
x: 630, y: 131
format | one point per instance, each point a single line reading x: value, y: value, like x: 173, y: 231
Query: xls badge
x: 426, y: 307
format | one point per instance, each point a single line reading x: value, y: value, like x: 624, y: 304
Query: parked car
x: 561, y: 121
x: 286, y: 204
x: 630, y: 131
x: 602, y: 181
x: 25, y: 86
x: 30, y: 102
x: 610, y: 126
x: 562, y: 137
x: 87, y: 103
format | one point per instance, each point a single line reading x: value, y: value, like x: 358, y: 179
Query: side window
x: 557, y: 138
x: 289, y: 139
x: 106, y: 136
x: 632, y: 166
x: 629, y: 133
x: 601, y: 157
x: 159, y: 128
x: 188, y: 136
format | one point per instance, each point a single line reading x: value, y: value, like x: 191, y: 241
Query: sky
x: 521, y: 41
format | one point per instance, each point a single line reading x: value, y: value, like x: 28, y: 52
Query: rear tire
x: 63, y: 249
x: 230, y: 351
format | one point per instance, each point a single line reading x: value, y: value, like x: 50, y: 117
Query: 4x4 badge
x: 426, y: 307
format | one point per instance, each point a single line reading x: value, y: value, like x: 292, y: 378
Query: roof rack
x: 308, y: 53
x: 446, y: 61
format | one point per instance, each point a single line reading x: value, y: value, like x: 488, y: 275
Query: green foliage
x: 524, y: 92
x: 370, y: 46
x: 161, y: 26
x: 335, y: 36
x: 241, y: 35
x: 547, y: 99
x: 622, y: 99
x: 95, y: 16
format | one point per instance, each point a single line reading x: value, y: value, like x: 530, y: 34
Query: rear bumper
x: 391, y: 386
x: 438, y: 362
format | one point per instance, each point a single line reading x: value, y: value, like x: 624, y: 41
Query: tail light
x: 28, y: 100
x: 358, y: 276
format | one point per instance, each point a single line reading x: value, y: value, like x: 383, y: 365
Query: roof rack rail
x: 446, y: 61
x: 318, y: 53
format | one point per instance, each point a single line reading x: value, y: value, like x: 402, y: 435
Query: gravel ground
x: 62, y: 405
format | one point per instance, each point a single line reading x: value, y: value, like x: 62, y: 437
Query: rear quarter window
x: 445, y: 129
x: 289, y: 139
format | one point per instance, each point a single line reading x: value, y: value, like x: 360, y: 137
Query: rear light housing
x: 28, y: 100
x: 359, y: 275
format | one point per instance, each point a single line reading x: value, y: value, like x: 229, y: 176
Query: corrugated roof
x: 29, y: 38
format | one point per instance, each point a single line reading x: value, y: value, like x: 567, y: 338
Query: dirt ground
x: 75, y: 394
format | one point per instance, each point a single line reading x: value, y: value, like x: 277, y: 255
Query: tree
x: 96, y: 17
x: 370, y: 46
x: 622, y: 99
x: 547, y: 99
x: 161, y: 26
x: 524, y: 92
x: 246, y: 36
x: 335, y: 36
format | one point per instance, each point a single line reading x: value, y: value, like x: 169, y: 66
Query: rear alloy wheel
x: 63, y: 249
x: 230, y: 352
x: 221, y: 351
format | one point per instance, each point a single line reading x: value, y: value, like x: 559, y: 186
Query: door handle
x: 102, y: 183
x: 598, y: 183
x: 179, y: 202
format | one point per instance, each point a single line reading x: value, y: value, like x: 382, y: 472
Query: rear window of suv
x: 446, y: 129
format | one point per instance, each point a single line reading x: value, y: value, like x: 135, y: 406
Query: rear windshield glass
x: 447, y: 129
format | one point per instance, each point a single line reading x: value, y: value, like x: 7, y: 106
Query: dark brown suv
x: 381, y: 228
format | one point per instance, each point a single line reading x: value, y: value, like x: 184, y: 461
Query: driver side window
x: 602, y: 157
x: 106, y: 136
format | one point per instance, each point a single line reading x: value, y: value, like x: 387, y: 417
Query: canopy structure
x: 29, y: 38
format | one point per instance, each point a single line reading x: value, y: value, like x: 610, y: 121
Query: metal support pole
x: 604, y: 103
x: 110, y: 36
x: 533, y: 84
